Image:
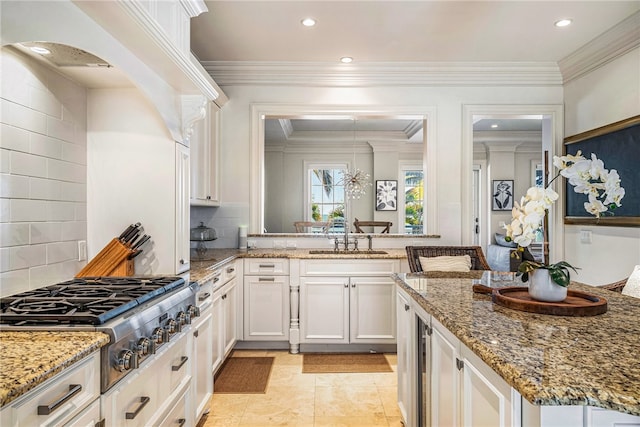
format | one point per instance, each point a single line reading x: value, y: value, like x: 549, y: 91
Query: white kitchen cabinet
x: 266, y: 300
x: 203, y: 334
x: 182, y: 242
x: 226, y: 300
x: 204, y: 159
x: 406, y: 337
x: 445, y: 381
x: 58, y: 400
x: 347, y: 301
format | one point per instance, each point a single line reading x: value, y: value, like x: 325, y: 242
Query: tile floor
x: 310, y: 400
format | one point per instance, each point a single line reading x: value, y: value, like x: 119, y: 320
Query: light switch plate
x: 82, y: 250
x: 585, y: 236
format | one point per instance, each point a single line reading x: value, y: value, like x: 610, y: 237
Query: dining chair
x: 385, y: 224
x: 478, y: 260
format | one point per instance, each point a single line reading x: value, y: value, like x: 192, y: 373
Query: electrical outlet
x: 291, y: 244
x: 82, y: 250
x: 252, y: 244
x: 278, y: 244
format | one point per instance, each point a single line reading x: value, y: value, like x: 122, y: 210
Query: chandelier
x: 355, y: 181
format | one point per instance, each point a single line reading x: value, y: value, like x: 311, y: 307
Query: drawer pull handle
x: 183, y: 360
x: 231, y: 270
x: 204, y: 297
x: 73, y: 390
x: 196, y: 333
x: 266, y: 279
x: 216, y: 279
x: 406, y: 307
x: 267, y: 266
x: 143, y: 402
x: 181, y: 422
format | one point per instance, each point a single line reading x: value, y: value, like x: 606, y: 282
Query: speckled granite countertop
x: 201, y: 271
x: 30, y: 358
x: 549, y: 360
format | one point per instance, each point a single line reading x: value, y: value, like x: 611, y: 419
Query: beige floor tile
x: 348, y: 401
x: 277, y: 421
x: 228, y: 404
x: 280, y: 403
x: 225, y: 421
x: 287, y: 375
x: 286, y: 358
x: 395, y: 422
x: 363, y: 421
x: 339, y: 380
x: 385, y: 380
x: 389, y: 398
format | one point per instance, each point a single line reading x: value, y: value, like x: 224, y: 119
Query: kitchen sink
x: 331, y: 252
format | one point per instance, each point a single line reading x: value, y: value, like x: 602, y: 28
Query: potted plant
x: 587, y: 176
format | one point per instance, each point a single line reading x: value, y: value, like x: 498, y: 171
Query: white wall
x: 447, y: 101
x: 606, y: 95
x: 43, y: 172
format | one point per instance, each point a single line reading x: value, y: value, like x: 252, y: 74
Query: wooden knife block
x: 112, y: 260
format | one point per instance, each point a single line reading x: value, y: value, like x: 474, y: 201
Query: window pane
x: 414, y: 201
x: 326, y: 193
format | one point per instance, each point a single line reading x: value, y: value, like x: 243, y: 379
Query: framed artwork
x: 502, y: 195
x: 387, y: 195
x: 618, y: 146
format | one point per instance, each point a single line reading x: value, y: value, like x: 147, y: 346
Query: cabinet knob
x: 182, y: 261
x: 208, y: 197
x: 346, y: 285
x: 406, y: 307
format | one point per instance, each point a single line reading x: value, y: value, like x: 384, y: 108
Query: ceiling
x: 400, y: 31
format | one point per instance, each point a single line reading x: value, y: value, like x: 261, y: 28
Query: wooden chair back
x: 478, y: 260
x: 304, y: 226
x: 385, y: 224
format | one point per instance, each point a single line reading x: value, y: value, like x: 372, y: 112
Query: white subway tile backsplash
x: 60, y: 129
x: 13, y: 138
x: 26, y: 210
x: 23, y: 117
x: 74, y: 153
x: 5, y: 262
x: 73, y: 192
x: 46, y: 275
x: 65, y: 171
x: 14, y: 186
x: 20, y: 257
x: 61, y: 211
x: 44, y: 101
x: 28, y: 164
x: 73, y: 230
x: 13, y: 282
x: 12, y: 82
x: 45, y: 232
x: 45, y: 189
x: 4, y: 210
x: 69, y: 269
x: 5, y: 161
x: 14, y: 234
x: 45, y: 146
x: 81, y: 211
x: 62, y: 251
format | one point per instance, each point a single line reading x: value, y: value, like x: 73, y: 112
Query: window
x: 412, y: 186
x: 326, y: 199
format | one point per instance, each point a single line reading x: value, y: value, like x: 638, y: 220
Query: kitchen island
x: 551, y: 361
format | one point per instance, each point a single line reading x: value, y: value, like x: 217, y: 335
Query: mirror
x: 305, y: 157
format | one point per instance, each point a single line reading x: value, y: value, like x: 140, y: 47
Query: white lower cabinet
x: 202, y: 387
x: 266, y: 300
x: 347, y: 302
x: 69, y: 398
x: 406, y: 338
x: 224, y: 333
x: 146, y: 396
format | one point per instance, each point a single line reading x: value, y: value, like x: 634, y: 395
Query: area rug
x: 243, y: 375
x: 320, y: 363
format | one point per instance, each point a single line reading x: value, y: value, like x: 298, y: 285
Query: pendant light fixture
x: 355, y: 181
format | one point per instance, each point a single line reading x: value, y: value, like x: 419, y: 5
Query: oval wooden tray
x: 576, y: 304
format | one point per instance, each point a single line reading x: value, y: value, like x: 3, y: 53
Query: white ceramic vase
x: 543, y: 288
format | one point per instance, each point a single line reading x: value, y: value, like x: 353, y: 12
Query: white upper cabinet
x: 204, y: 158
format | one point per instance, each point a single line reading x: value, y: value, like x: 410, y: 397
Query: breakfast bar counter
x: 549, y: 360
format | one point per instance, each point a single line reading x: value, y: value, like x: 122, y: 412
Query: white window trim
x: 403, y: 166
x: 309, y: 165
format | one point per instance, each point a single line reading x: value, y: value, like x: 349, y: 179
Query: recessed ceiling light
x: 563, y: 23
x: 308, y: 22
x: 346, y: 59
x: 40, y: 50
x: 495, y: 125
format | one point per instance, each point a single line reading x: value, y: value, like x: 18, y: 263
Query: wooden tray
x: 576, y: 304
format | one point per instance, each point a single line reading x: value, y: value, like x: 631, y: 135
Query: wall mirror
x: 300, y: 157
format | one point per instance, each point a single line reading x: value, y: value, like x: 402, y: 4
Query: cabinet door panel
x: 202, y: 375
x: 182, y: 245
x: 266, y: 307
x: 444, y: 380
x: 230, y: 302
x: 324, y: 309
x: 217, y: 332
x: 373, y: 310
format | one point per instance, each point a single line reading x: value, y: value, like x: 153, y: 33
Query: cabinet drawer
x: 204, y: 296
x: 174, y: 365
x: 341, y: 267
x: 58, y: 399
x: 273, y: 266
x: 229, y: 271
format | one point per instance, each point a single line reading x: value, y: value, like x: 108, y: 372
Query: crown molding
x: 610, y: 45
x: 411, y: 74
x: 194, y: 7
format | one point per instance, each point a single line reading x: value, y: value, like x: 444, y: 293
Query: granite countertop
x: 549, y: 360
x: 30, y: 358
x: 201, y: 271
